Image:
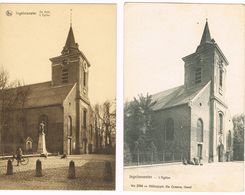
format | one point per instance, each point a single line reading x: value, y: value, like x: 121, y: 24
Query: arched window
x: 170, y: 129
x: 221, y: 73
x: 199, y: 130
x: 69, y: 126
x: 84, y: 79
x: 43, y: 118
x: 220, y: 77
x: 220, y: 123
x: 85, y: 118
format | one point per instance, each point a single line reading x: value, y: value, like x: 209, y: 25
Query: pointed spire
x: 206, y: 38
x: 70, y: 41
x: 70, y: 46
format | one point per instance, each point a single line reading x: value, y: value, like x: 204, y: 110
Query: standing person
x: 18, y: 155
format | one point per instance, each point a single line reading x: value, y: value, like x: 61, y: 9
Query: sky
x: 28, y: 41
x: 157, y: 36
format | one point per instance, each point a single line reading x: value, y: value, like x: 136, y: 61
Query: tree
x: 238, y: 137
x: 105, y: 125
x: 132, y: 124
x: 12, y: 98
x: 139, y: 128
x: 109, y: 121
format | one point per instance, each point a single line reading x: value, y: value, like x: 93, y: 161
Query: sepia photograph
x: 184, y: 97
x: 57, y: 96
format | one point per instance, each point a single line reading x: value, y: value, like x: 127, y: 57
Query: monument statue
x: 41, y: 148
x: 41, y: 127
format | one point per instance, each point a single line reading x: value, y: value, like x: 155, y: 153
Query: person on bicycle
x: 18, y: 155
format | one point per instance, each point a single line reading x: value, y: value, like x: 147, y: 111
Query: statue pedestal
x: 41, y: 148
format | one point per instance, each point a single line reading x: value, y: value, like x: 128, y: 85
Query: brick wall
x: 181, y: 118
x: 70, y: 111
x: 26, y: 124
x: 200, y: 110
x: 54, y: 137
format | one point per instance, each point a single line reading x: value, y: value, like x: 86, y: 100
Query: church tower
x: 208, y: 65
x: 72, y: 67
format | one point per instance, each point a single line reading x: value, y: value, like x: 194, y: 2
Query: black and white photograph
x: 184, y: 97
x: 57, y: 96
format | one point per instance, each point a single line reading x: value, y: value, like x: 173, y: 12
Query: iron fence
x: 147, y: 158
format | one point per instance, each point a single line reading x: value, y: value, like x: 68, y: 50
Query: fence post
x: 39, y: 168
x: 152, y: 157
x: 108, y: 172
x: 71, y: 171
x: 138, y: 157
x: 9, y: 168
x: 163, y: 157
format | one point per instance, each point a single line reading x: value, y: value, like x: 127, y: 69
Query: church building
x: 61, y: 104
x: 193, y: 119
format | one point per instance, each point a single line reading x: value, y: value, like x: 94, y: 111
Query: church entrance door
x: 199, y: 151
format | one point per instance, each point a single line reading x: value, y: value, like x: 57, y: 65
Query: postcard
x: 184, y: 97
x: 57, y: 94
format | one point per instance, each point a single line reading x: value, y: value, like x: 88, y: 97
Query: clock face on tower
x: 85, y: 66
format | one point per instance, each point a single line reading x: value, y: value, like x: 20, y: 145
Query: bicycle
x: 23, y: 161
